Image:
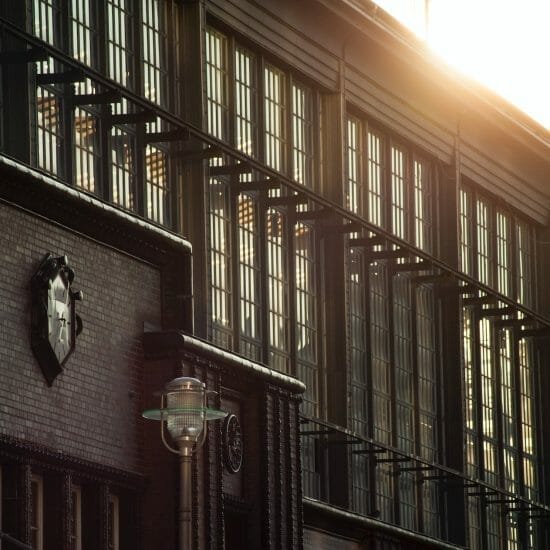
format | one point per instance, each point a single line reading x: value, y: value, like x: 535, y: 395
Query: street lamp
x: 183, y: 409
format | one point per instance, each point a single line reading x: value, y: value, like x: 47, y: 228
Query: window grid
x: 302, y: 134
x: 501, y: 368
x: 484, y: 239
x: 404, y: 394
x: 216, y: 84
x: 156, y: 185
x: 217, y: 99
x: 423, y: 217
x: 376, y: 179
x: 508, y: 422
x: 503, y: 254
x: 398, y: 192
x: 524, y: 264
x: 527, y: 414
x: 153, y: 51
x: 245, y: 105
x: 86, y: 149
x: 277, y: 283
x: 306, y: 317
x: 274, y: 118
x: 381, y: 382
x: 249, y: 276
x: 220, y: 263
x: 357, y: 345
x: 83, y: 32
x: 49, y: 139
x: 357, y: 328
x: 353, y: 192
x: 122, y: 168
x: 488, y: 403
x: 120, y: 52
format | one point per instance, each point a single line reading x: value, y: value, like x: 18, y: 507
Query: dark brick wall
x: 90, y: 411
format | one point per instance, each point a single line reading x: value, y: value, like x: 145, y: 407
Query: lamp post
x: 184, y: 412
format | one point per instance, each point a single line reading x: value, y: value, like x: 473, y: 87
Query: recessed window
x: 76, y: 518
x: 37, y: 513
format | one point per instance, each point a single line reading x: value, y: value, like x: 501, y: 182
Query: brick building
x: 295, y: 203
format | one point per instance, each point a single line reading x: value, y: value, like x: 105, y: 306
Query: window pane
x: 302, y: 127
x: 376, y: 180
x: 274, y: 121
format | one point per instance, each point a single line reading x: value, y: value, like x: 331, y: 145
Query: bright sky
x: 505, y: 44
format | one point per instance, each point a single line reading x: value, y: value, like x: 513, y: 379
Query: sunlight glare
x: 505, y: 44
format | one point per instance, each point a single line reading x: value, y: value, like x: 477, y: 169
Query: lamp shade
x: 185, y: 408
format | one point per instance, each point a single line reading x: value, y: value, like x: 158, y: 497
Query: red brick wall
x: 90, y: 411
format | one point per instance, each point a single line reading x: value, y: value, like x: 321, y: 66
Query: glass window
x: 37, y: 513
x: 302, y: 137
x: 76, y: 518
x: 274, y: 118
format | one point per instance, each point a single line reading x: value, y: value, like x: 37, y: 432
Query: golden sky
x: 505, y: 44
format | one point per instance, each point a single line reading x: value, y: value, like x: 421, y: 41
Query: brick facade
x: 90, y: 411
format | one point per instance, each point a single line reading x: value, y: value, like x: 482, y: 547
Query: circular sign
x: 232, y: 444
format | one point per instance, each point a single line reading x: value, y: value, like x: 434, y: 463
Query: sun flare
x: 504, y: 44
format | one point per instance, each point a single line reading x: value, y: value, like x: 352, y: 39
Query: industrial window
x: 69, y: 134
x: 392, y: 326
x: 261, y: 268
x: 498, y: 366
x: 275, y: 104
x: 37, y: 512
x: 219, y: 193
